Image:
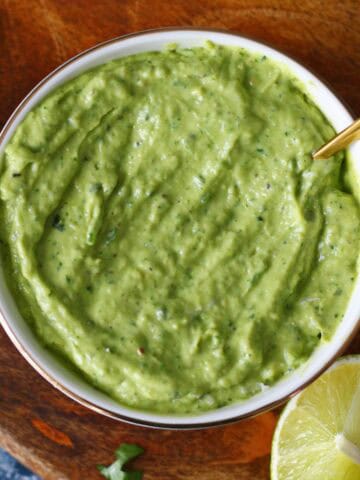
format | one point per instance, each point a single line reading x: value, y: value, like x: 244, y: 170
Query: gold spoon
x: 340, y: 141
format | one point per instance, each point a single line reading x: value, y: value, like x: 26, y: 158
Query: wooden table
x: 48, y: 432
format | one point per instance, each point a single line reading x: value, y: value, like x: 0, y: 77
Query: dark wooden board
x: 53, y: 435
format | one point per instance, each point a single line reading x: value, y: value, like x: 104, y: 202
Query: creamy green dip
x: 165, y: 230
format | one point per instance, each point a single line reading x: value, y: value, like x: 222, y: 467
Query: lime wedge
x: 318, y: 434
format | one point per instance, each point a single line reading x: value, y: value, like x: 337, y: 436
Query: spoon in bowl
x: 340, y: 141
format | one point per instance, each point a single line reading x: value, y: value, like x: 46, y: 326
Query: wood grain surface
x: 51, y: 434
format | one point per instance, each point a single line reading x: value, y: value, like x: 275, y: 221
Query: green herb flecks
x: 95, y: 187
x: 124, y: 454
x: 58, y: 223
x: 111, y: 235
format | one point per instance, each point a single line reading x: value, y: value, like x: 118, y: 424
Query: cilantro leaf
x: 124, y: 454
x: 128, y: 451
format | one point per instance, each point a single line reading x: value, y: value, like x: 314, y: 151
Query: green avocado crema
x: 165, y: 231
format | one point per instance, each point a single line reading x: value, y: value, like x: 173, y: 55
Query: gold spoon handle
x: 342, y: 140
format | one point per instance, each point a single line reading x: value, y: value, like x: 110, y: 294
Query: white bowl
x: 75, y: 387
